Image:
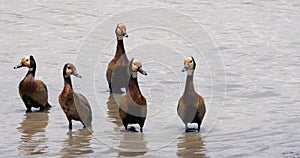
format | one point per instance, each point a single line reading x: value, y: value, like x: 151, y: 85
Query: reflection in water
x: 113, y: 109
x: 191, y: 145
x: 133, y: 144
x: 32, y: 129
x: 77, y: 143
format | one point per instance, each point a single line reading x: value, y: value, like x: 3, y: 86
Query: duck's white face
x: 26, y: 61
x: 136, y: 64
x: 137, y: 67
x: 189, y: 65
x: 121, y: 31
x: 71, y: 70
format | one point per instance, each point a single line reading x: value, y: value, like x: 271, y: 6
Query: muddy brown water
x: 247, y: 55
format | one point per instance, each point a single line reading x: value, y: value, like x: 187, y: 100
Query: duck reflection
x: 77, y: 143
x: 191, y: 145
x: 133, y: 144
x: 113, y: 109
x: 32, y: 129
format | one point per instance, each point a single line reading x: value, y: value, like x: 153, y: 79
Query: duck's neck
x: 68, y: 82
x: 133, y: 84
x: 120, y: 48
x: 189, y: 84
x: 31, y: 71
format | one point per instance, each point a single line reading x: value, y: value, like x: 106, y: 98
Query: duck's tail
x: 48, y: 106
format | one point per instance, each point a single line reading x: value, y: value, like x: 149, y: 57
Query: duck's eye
x: 68, y: 68
x: 27, y: 60
x: 191, y: 61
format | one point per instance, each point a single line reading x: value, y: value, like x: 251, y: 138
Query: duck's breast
x: 34, y: 89
x: 66, y: 101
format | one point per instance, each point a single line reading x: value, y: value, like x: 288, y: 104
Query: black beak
x: 76, y: 74
x: 186, y: 67
x: 124, y: 33
x: 142, y: 71
x: 19, y: 65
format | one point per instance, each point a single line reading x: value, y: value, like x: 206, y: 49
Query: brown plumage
x: 191, y: 107
x: 117, y: 74
x: 33, y: 92
x: 133, y: 106
x: 74, y: 105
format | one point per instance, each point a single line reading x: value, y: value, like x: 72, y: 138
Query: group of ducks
x: 121, y: 73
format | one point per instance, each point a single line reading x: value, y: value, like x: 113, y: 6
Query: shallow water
x: 247, y: 71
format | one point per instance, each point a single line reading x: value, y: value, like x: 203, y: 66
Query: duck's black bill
x: 19, y: 66
x: 142, y: 71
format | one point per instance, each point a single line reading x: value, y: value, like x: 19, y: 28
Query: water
x: 247, y: 71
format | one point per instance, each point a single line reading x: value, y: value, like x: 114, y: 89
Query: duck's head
x: 121, y: 31
x: 70, y: 69
x: 189, y: 65
x: 27, y: 61
x: 136, y: 66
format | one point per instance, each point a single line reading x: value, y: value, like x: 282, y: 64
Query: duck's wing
x: 40, y: 94
x: 144, y: 107
x: 109, y: 70
x: 81, y: 101
x: 180, y: 108
x: 201, y: 108
x: 83, y: 108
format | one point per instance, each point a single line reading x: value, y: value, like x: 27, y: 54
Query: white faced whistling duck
x: 133, y: 106
x: 191, y: 107
x: 74, y: 105
x: 117, y: 74
x: 33, y: 92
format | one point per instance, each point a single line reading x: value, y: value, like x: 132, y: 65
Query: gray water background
x: 247, y: 70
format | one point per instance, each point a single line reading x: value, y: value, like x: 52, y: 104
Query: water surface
x: 247, y: 55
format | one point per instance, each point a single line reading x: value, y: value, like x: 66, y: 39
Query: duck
x: 75, y: 105
x: 133, y: 105
x: 191, y: 107
x: 117, y: 74
x: 33, y: 92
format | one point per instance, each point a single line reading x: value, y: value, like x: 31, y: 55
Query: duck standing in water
x: 191, y: 107
x: 133, y: 105
x: 74, y: 105
x: 117, y: 74
x: 33, y: 92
